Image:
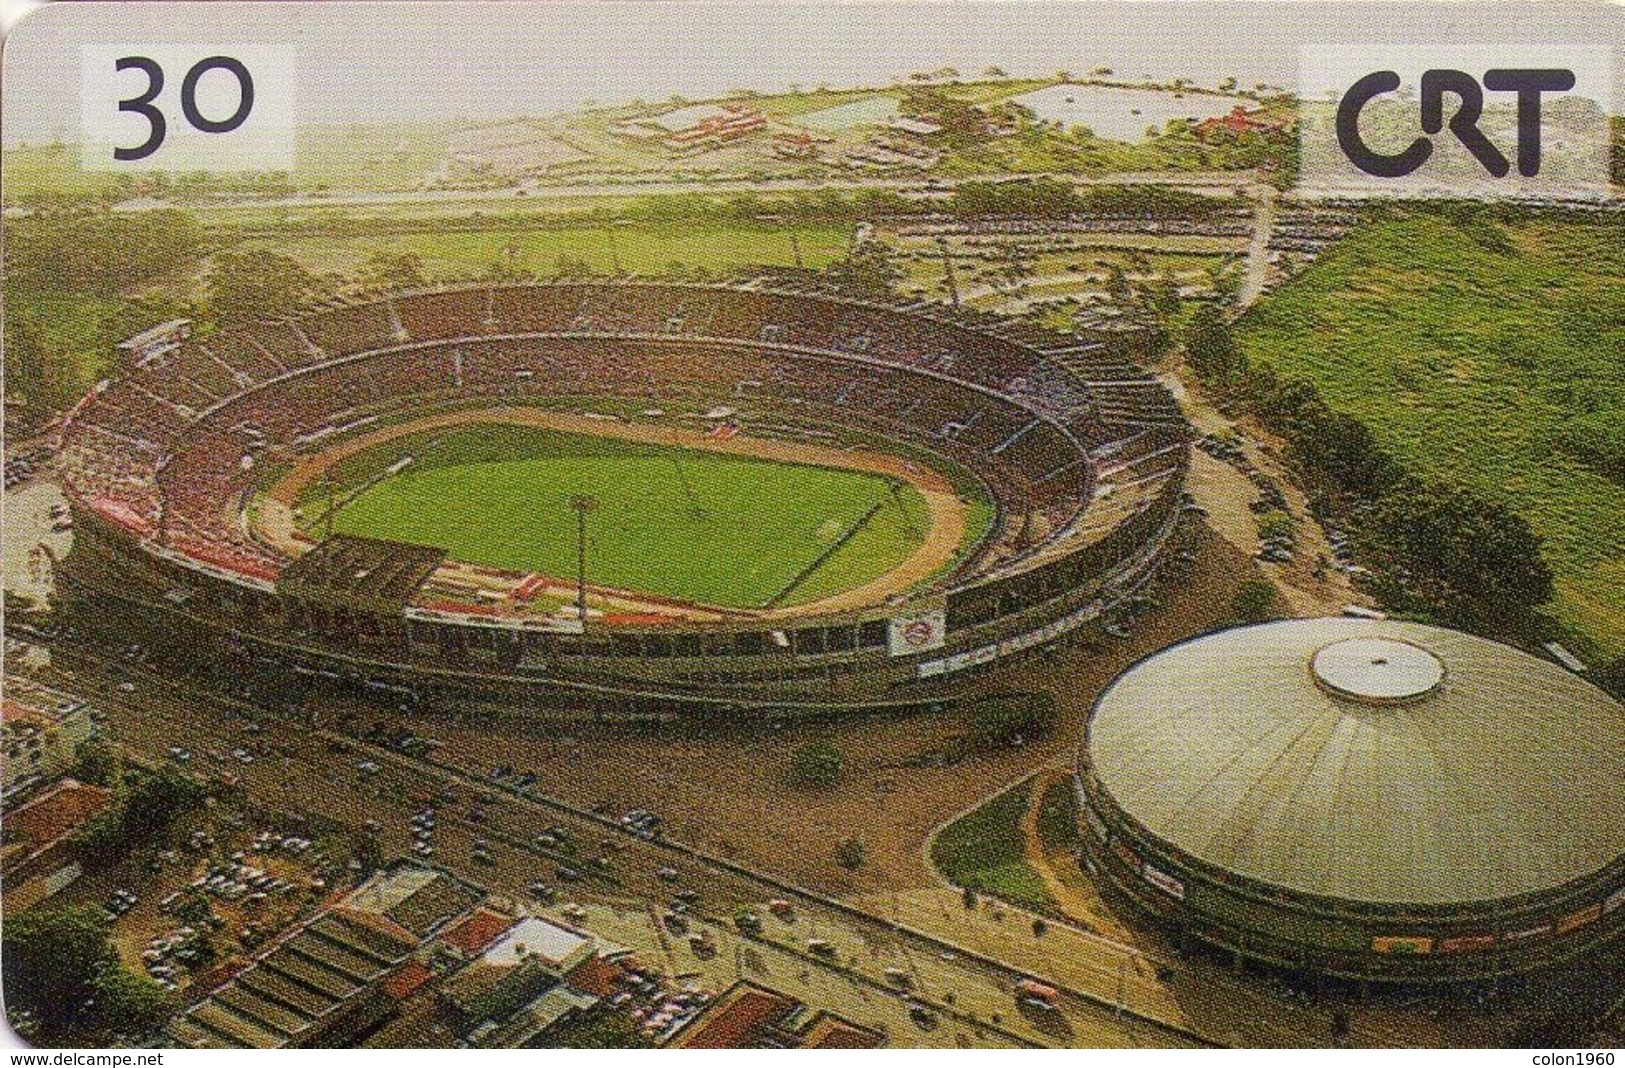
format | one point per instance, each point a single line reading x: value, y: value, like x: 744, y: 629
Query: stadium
x: 649, y: 496
x: 1366, y: 799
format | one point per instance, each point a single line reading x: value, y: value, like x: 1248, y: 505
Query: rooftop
x: 1368, y: 760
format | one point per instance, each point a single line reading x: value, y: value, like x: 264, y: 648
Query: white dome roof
x: 1368, y: 760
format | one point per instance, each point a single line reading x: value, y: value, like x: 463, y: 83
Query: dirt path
x: 275, y: 523
x: 1227, y: 494
x: 1258, y: 248
x: 1076, y: 897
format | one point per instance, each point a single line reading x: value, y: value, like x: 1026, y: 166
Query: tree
x: 1611, y: 677
x: 155, y: 800
x: 370, y: 852
x: 128, y: 1003
x: 1254, y: 602
x: 817, y: 764
x: 100, y: 841
x: 1209, y: 346
x: 96, y: 762
x: 1041, y: 197
x: 850, y: 853
x: 385, y: 271
x: 35, y: 373
x: 869, y: 272
x: 1002, y: 719
x: 246, y: 287
x: 1342, y: 450
x: 97, y: 253
x: 51, y: 957
x: 1451, y: 553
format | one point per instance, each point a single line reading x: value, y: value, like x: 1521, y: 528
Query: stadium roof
x: 362, y: 573
x: 1368, y: 760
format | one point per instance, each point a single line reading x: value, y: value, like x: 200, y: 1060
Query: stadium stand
x: 1083, y: 454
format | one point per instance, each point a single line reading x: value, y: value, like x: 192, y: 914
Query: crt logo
x: 1468, y: 96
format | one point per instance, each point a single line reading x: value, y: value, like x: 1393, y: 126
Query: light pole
x: 948, y: 271
x: 581, y: 504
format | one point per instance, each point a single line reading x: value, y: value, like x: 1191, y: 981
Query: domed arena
x: 1366, y: 799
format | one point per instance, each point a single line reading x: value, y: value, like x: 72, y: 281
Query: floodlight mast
x: 581, y: 504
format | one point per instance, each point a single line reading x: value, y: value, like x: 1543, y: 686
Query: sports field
x: 716, y: 529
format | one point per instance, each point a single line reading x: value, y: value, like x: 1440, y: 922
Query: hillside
x: 1492, y: 354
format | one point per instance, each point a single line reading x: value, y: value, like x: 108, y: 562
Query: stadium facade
x: 1367, y: 799
x: 1082, y: 454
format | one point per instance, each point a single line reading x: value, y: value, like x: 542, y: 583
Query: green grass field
x: 1471, y: 362
x: 641, y: 247
x: 701, y: 526
x: 983, y: 850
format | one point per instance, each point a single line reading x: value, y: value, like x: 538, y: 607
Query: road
x: 1258, y: 248
x: 1221, y: 181
x: 963, y: 966
x: 304, y: 771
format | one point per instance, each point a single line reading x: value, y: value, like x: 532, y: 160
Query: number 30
x: 143, y: 104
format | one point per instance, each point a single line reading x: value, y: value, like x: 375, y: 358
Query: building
x: 1068, y: 426
x: 799, y: 145
x: 696, y: 124
x: 40, y: 732
x: 1367, y: 799
x: 338, y: 975
x: 524, y: 976
x: 917, y: 126
x: 38, y: 858
x: 1238, y: 121
x: 748, y: 1016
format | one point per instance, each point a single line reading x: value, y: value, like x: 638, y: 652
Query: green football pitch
x: 699, y: 526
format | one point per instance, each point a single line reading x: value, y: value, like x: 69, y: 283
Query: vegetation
x: 1255, y: 601
x: 999, y: 720
x: 599, y: 1029
x: 1454, y: 554
x: 817, y: 764
x: 97, y: 253
x: 701, y: 246
x: 246, y: 287
x: 144, y: 806
x: 96, y: 761
x: 870, y: 272
x: 1049, y: 198
x: 1058, y: 816
x: 1480, y: 351
x: 983, y: 851
x: 851, y: 853
x: 66, y: 273
x: 65, y: 982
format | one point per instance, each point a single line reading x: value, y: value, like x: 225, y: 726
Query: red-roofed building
x: 748, y: 1016
x: 1239, y: 121
x: 38, y: 860
x: 739, y: 1019
x: 473, y: 935
x: 596, y: 976
x: 407, y: 980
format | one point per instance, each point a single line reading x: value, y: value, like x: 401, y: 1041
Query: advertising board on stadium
x: 918, y: 633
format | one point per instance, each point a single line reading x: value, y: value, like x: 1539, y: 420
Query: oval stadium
x: 1365, y: 799
x: 647, y: 496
